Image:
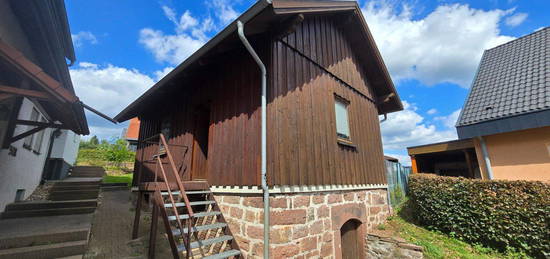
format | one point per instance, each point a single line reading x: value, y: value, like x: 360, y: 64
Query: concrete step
x: 88, y: 168
x: 47, y: 212
x: 44, y: 238
x: 46, y: 251
x: 73, y: 195
x: 39, y: 205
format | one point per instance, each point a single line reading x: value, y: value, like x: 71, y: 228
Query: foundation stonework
x: 302, y: 225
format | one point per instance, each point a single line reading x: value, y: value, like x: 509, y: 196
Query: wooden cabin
x: 326, y: 87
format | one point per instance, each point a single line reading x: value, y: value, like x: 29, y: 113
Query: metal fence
x: 398, y: 179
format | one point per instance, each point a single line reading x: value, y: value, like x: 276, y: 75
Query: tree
x: 117, y: 153
x: 94, y: 141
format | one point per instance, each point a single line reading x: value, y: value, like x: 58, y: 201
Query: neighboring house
x: 131, y: 134
x: 504, y: 126
x: 39, y: 112
x: 326, y: 87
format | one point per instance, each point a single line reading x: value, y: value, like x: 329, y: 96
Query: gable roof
x: 259, y: 19
x: 513, y: 81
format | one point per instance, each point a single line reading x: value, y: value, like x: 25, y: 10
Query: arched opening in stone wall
x: 351, y: 240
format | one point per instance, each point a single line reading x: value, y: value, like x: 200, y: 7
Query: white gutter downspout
x: 240, y: 30
x: 486, y: 157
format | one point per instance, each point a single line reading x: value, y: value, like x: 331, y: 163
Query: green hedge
x: 497, y: 214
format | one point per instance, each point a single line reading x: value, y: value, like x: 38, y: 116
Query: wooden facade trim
x: 441, y: 147
x: 297, y: 188
x: 337, y: 78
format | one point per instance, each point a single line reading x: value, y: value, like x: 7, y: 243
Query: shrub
x: 499, y: 214
x: 117, y: 153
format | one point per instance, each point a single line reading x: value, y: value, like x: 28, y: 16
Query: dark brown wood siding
x: 310, y: 67
x: 232, y: 94
x: 306, y: 69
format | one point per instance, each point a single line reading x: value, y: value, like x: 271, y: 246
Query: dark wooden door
x: 350, y: 240
x: 200, y: 144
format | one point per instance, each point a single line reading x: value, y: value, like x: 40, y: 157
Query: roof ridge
x: 519, y: 38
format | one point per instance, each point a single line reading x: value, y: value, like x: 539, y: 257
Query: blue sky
x: 431, y: 48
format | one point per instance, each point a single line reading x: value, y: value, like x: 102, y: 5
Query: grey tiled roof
x: 513, y: 79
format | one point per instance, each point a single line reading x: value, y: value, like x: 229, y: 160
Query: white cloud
x: 432, y: 111
x: 516, y: 19
x: 444, y: 46
x: 224, y: 11
x: 109, y: 88
x: 450, y: 120
x: 190, y: 35
x: 407, y: 128
x: 107, y: 133
x: 83, y: 36
x: 162, y: 73
x: 403, y: 159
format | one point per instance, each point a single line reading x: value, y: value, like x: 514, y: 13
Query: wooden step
x: 197, y: 215
x: 75, y: 187
x: 176, y: 232
x: 37, y: 205
x: 73, y: 195
x: 77, y: 183
x: 193, y: 203
x: 206, y: 242
x: 34, y: 239
x: 46, y: 251
x: 47, y: 212
x: 225, y: 254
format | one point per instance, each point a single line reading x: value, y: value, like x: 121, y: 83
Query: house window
x: 37, y: 145
x: 342, y: 121
x: 29, y: 139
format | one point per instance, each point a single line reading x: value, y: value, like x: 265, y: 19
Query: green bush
x: 117, y: 153
x: 504, y: 215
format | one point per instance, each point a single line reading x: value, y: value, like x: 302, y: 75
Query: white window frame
x: 28, y: 141
x: 343, y: 132
x: 37, y: 145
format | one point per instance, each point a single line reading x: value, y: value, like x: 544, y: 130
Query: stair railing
x: 164, y: 150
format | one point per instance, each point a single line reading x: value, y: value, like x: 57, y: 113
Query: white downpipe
x: 486, y: 157
x: 240, y: 30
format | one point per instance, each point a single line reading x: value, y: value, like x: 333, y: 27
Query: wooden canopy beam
x: 40, y: 124
x: 24, y: 92
x: 25, y: 134
x: 4, y: 96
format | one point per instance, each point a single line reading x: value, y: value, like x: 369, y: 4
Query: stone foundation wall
x: 303, y: 225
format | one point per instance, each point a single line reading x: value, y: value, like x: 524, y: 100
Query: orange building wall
x: 520, y: 155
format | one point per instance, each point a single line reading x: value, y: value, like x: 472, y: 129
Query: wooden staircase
x: 194, y: 223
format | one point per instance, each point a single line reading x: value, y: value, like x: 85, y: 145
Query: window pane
x: 28, y: 139
x: 39, y: 137
x: 342, y: 127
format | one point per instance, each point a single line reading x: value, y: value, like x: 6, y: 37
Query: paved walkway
x: 112, y: 229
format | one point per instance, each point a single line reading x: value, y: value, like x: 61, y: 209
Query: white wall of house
x: 66, y: 146
x: 24, y: 170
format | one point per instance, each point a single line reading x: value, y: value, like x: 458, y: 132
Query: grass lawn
x: 122, y: 178
x: 438, y: 245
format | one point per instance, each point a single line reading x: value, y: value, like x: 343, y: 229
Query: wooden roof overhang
x: 441, y: 147
x: 264, y: 17
x: 60, y: 103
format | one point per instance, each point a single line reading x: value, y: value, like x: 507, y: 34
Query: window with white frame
x: 37, y: 145
x: 342, y: 121
x: 29, y: 139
